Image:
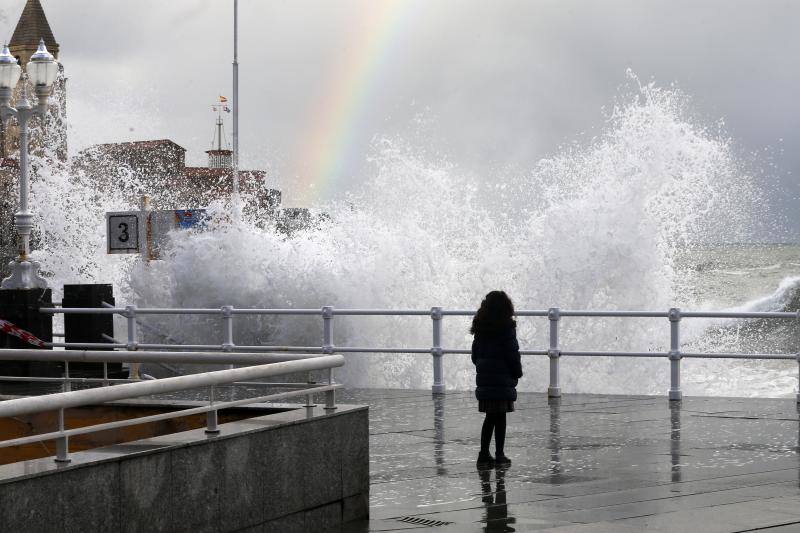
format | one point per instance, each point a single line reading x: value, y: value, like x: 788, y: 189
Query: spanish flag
x: 222, y: 99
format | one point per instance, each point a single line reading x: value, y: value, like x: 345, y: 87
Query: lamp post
x: 41, y: 72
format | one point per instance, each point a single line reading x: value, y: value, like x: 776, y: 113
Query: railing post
x: 130, y: 314
x: 797, y: 325
x: 327, y: 329
x: 437, y: 352
x: 309, y: 398
x: 67, y: 382
x: 798, y: 368
x: 330, y: 396
x: 227, y: 320
x: 675, y: 393
x: 62, y: 443
x: 554, y: 316
x: 327, y: 348
x: 211, y: 416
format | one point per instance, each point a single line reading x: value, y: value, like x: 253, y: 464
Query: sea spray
x: 603, y: 232
x: 601, y: 225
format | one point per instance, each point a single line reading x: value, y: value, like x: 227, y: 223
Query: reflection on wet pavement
x: 496, y: 517
x: 583, y: 463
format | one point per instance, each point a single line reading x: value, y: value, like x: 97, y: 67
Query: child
x: 495, y: 353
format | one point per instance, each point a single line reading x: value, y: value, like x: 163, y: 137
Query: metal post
x: 24, y: 272
x: 797, y: 325
x: 675, y: 393
x: 67, y: 382
x: 227, y: 319
x: 327, y: 329
x: 798, y: 388
x: 211, y: 416
x: 330, y: 396
x: 437, y: 352
x: 554, y: 316
x: 146, y: 230
x: 236, y: 97
x: 327, y: 348
x: 24, y: 216
x: 62, y: 443
x: 105, y: 374
x: 133, y: 345
x: 309, y: 398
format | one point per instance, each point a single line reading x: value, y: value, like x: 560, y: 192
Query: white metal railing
x: 554, y: 315
x: 266, y: 365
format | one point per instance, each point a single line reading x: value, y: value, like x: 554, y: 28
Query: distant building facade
x: 158, y: 168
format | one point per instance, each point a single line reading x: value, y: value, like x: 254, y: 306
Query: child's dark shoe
x: 485, y: 460
x: 502, y: 460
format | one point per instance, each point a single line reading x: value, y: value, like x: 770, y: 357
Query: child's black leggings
x: 494, y: 422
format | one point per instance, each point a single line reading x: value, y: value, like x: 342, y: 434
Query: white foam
x: 595, y: 227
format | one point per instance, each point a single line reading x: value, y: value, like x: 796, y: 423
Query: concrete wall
x: 282, y: 472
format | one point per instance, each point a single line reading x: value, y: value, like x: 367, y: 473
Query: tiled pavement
x: 586, y: 463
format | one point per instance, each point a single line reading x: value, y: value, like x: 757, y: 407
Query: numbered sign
x: 123, y: 232
x: 147, y: 232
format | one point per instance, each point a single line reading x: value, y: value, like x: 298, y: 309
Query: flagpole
x: 236, y: 97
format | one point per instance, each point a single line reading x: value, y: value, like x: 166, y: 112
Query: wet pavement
x: 586, y: 463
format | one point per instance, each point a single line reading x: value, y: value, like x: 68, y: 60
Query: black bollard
x: 90, y: 328
x: 21, y: 308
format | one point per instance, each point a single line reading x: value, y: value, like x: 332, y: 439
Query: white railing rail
x: 554, y: 315
x: 266, y: 365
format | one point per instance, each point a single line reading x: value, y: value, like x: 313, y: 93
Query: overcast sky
x: 498, y: 83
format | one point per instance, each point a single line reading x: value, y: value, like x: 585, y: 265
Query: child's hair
x: 495, y: 314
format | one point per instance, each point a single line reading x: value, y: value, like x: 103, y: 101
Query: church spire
x: 31, y: 27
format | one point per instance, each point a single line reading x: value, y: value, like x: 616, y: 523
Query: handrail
x: 276, y: 364
x: 436, y: 314
x: 415, y: 312
x: 155, y: 418
x: 102, y: 356
x: 65, y: 400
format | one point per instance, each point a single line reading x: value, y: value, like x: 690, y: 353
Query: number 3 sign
x: 123, y: 233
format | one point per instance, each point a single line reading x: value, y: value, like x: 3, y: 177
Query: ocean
x: 735, y: 275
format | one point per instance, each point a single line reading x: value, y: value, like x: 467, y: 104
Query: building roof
x: 33, y: 26
x: 206, y: 172
x: 142, y: 145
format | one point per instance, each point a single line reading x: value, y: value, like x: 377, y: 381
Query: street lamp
x: 41, y: 71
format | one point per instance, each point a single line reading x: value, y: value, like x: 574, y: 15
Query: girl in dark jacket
x: 495, y: 353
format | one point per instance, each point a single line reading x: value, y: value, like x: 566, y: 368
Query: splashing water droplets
x: 597, y: 226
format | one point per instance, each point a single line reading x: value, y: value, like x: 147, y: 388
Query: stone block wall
x: 282, y: 472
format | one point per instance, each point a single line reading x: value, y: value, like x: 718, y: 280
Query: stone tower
x: 31, y: 27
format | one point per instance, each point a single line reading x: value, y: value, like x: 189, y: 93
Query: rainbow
x: 338, y: 114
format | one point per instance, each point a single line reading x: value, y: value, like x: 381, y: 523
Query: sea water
x: 624, y: 220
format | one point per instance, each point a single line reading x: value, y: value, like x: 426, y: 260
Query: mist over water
x: 601, y: 225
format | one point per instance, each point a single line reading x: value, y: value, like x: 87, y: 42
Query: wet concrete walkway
x: 588, y: 463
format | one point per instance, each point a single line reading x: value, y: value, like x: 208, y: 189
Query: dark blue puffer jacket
x: 497, y: 363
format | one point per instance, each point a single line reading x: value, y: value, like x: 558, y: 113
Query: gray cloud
x: 504, y: 83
